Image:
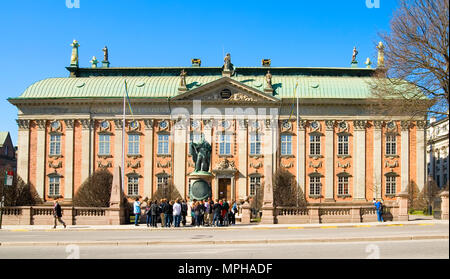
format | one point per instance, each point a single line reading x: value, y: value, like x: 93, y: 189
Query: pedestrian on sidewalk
x: 379, y: 208
x: 169, y: 214
x: 154, y: 211
x: 192, y: 207
x: 177, y: 213
x: 217, y: 213
x: 233, y: 212
x: 163, y: 210
x: 148, y: 213
x: 184, y: 210
x: 206, y: 215
x: 137, y: 211
x: 211, y: 212
x: 57, y: 214
x: 225, y: 209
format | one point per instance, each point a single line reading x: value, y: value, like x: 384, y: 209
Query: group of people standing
x: 174, y: 213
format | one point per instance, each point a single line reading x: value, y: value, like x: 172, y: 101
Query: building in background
x: 7, y: 152
x: 437, y: 151
x: 338, y: 151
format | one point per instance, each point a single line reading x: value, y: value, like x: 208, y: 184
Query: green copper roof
x: 352, y: 87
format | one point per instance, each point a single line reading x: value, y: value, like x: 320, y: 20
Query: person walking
x: 57, y: 214
x: 379, y: 208
x: 162, y: 210
x: 137, y: 211
x: 184, y: 210
x: 154, y: 211
x: 217, y: 208
x: 177, y: 213
x: 148, y: 213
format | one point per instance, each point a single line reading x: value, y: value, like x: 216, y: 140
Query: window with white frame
x: 224, y: 144
x: 314, y: 145
x: 391, y: 145
x: 391, y: 185
x: 314, y: 185
x: 286, y: 144
x: 255, y: 144
x: 162, y: 181
x: 342, y: 185
x: 54, y: 185
x: 163, y: 144
x: 133, y: 185
x: 103, y: 144
x: 55, y: 144
x: 342, y: 145
x: 255, y: 182
x: 133, y: 144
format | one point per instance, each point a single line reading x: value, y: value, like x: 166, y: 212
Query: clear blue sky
x: 36, y: 36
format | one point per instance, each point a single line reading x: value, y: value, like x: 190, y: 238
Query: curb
x: 224, y: 242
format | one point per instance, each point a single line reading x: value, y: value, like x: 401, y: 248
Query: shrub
x: 95, y: 190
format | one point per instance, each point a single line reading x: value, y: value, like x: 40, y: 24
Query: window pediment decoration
x: 343, y: 127
x: 55, y: 126
x: 133, y: 174
x: 391, y: 127
x: 134, y: 126
x: 255, y: 174
x: 286, y: 126
x: 315, y: 174
x: 55, y: 174
x: 315, y: 126
x: 163, y: 125
x: 162, y: 174
x: 316, y: 133
x: 344, y: 174
x: 344, y: 134
x: 104, y: 126
x: 391, y: 173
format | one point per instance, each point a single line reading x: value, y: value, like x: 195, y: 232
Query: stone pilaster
x: 68, y: 160
x: 86, y: 125
x: 242, y: 155
x: 40, y: 157
x: 377, y: 159
x: 148, y: 158
x: 301, y: 156
x: 179, y: 155
x: 329, y: 160
x: 23, y: 149
x: 404, y: 156
x: 420, y: 154
x: 359, y: 160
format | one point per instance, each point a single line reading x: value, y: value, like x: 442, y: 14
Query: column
x: 302, y: 156
x: 148, y: 158
x: 329, y: 161
x: 242, y: 151
x: 377, y: 156
x: 85, y: 149
x: 23, y: 144
x: 40, y: 158
x: 420, y: 154
x: 359, y: 161
x: 179, y: 156
x: 404, y: 156
x: 68, y: 160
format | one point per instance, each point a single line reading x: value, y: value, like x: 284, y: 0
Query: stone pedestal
x: 268, y: 210
x: 444, y: 205
x: 246, y: 212
x: 402, y: 201
x: 116, y: 214
x: 355, y: 214
x: 314, y: 217
x: 198, y: 179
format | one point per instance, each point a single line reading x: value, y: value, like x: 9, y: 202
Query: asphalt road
x: 415, y: 249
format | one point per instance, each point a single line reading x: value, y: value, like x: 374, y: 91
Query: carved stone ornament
x: 134, y: 165
x: 405, y: 125
x: 359, y: 124
x: 163, y: 125
x: 196, y: 125
x: 256, y: 166
x: 286, y: 166
x: 329, y: 124
x: 286, y: 126
x: 164, y: 166
x: 315, y: 126
x: 240, y: 97
x: 104, y: 166
x: 55, y: 126
x: 208, y: 123
x: 69, y: 123
x: 134, y: 125
x: 86, y: 123
x: 421, y: 125
x: 344, y: 166
x: 55, y: 166
x: 23, y: 123
x: 226, y: 165
x: 342, y: 126
x: 391, y: 165
x: 378, y: 124
x: 391, y: 126
x: 302, y: 124
x: 148, y: 124
x: 104, y: 126
x: 315, y: 166
x: 243, y: 124
x: 41, y: 123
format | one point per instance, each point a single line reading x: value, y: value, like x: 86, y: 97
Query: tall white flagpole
x: 123, y: 138
x: 298, y: 146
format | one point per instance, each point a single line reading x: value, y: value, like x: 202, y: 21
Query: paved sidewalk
x: 253, y: 226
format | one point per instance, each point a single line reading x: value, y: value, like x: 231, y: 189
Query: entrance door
x: 224, y: 188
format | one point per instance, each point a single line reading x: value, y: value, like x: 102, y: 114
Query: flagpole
x: 123, y: 138
x: 298, y: 147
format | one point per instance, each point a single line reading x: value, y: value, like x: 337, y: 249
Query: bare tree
x: 415, y: 79
x: 285, y: 190
x: 167, y: 191
x: 20, y: 193
x: 95, y: 191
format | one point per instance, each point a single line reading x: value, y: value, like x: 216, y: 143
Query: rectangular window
x: 255, y: 182
x: 255, y: 144
x: 133, y: 144
x: 55, y: 144
x: 162, y: 181
x: 342, y: 145
x: 133, y: 186
x: 54, y: 186
x: 286, y: 145
x: 343, y: 185
x: 314, y: 185
x: 224, y: 144
x: 391, y: 145
x: 391, y: 185
x: 163, y: 144
x: 314, y: 145
x: 103, y: 144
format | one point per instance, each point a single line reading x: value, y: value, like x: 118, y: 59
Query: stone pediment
x: 226, y: 90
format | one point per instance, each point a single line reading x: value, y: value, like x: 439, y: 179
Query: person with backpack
x: 154, y: 211
x: 184, y: 211
x: 379, y: 208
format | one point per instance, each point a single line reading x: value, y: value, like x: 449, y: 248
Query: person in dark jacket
x: 154, y: 211
x: 184, y: 210
x: 148, y: 213
x: 169, y: 214
x: 163, y: 210
x: 210, y: 212
x: 57, y: 214
x: 225, y: 209
x: 217, y: 208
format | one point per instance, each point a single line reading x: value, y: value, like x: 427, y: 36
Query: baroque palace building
x: 338, y: 151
